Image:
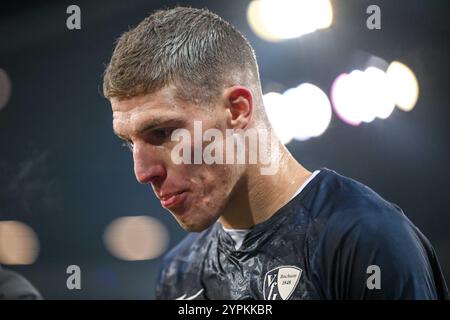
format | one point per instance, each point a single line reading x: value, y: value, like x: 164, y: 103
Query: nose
x: 148, y: 167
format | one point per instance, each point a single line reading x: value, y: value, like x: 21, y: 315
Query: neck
x: 257, y: 197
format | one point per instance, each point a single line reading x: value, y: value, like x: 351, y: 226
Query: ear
x: 239, y: 101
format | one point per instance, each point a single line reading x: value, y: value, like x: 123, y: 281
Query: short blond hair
x: 193, y: 49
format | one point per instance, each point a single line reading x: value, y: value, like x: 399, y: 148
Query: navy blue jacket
x: 337, y: 239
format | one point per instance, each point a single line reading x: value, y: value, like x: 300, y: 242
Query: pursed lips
x: 171, y: 199
x: 167, y: 195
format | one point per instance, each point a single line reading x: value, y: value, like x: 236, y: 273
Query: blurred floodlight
x: 275, y: 20
x: 361, y: 96
x: 310, y: 111
x: 341, y: 96
x: 278, y: 114
x: 404, y: 85
x: 360, y: 99
x: 5, y: 88
x: 136, y: 238
x: 380, y: 98
x: 300, y: 113
x: 254, y: 20
x: 19, y: 244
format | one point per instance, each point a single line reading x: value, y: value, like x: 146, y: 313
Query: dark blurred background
x: 65, y: 175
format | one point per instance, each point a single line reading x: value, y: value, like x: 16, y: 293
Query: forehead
x: 161, y: 106
x: 162, y: 100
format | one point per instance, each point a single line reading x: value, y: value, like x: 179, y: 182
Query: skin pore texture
x: 197, y: 195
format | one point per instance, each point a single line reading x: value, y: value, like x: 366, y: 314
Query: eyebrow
x: 150, y: 126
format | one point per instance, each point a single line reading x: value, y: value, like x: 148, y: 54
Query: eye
x: 162, y: 133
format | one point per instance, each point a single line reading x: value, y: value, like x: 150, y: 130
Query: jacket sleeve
x: 376, y: 255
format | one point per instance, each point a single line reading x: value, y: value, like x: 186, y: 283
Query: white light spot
x: 379, y: 94
x: 361, y: 96
x: 278, y: 112
x: 136, y: 238
x: 286, y: 19
x: 404, y: 85
x: 299, y: 113
x: 310, y: 111
x: 254, y: 20
x: 19, y: 244
x: 341, y: 95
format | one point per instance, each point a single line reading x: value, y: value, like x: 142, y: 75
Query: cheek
x: 214, y: 184
x: 202, y: 180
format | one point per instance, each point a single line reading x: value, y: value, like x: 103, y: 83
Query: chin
x: 193, y: 228
x: 196, y: 225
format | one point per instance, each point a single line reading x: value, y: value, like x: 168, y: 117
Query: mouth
x: 173, y: 199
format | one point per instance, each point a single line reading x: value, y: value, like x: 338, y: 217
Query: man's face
x: 195, y: 194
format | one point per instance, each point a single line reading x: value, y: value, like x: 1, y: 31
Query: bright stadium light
x: 380, y: 98
x: 310, y: 111
x: 361, y: 96
x: 343, y: 102
x: 276, y: 20
x: 19, y: 244
x: 278, y: 113
x: 404, y: 85
x: 257, y: 25
x: 299, y: 113
x: 136, y: 238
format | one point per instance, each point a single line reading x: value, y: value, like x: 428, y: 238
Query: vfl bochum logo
x: 280, y: 283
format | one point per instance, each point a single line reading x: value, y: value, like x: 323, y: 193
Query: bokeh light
x: 257, y: 25
x: 380, y: 101
x: 19, y: 244
x: 310, y: 111
x: 299, y: 113
x: 136, y: 238
x: 341, y: 96
x: 276, y: 20
x: 278, y: 113
x: 361, y: 96
x: 404, y: 85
